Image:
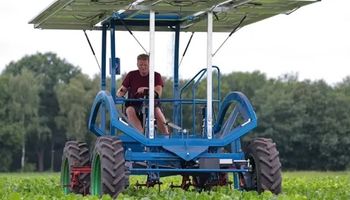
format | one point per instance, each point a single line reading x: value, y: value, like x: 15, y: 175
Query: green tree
x: 10, y: 139
x: 75, y: 100
x: 49, y: 70
x: 19, y: 112
x: 309, y: 121
x: 24, y: 104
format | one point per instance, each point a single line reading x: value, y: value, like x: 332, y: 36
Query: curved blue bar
x: 105, y: 98
x: 239, y: 97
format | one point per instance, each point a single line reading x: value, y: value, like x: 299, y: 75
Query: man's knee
x: 159, y: 113
x: 157, y: 109
x: 130, y: 111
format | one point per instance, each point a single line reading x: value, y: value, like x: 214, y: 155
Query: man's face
x: 143, y: 66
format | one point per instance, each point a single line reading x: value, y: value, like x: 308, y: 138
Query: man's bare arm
x: 121, y: 91
x: 158, y: 89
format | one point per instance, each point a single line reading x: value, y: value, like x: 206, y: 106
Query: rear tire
x: 108, y: 167
x: 75, y: 154
x: 266, y: 167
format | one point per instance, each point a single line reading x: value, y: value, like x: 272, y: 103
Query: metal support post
x: 176, y: 92
x: 151, y: 74
x: 209, y: 75
x: 112, y: 31
x: 103, y: 57
x: 113, y: 90
x: 103, y: 76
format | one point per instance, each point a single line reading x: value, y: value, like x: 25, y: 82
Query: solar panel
x: 190, y: 15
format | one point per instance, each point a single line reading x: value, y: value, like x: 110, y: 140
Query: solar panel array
x: 189, y: 14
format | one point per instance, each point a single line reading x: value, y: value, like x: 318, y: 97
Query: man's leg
x: 163, y: 128
x: 134, y: 120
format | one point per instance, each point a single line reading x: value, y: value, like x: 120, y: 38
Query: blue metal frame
x: 179, y: 146
x: 196, y: 80
x: 167, y: 156
x: 103, y: 57
x: 103, y: 75
x: 182, y: 146
x: 176, y: 92
x: 182, y: 170
x: 112, y: 32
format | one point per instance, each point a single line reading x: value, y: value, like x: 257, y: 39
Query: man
x: 136, y: 84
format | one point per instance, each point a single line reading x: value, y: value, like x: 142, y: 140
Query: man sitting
x: 136, y: 84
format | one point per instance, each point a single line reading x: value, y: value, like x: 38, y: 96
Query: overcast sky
x: 312, y: 42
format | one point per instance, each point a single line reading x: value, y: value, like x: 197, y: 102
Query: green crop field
x: 296, y: 185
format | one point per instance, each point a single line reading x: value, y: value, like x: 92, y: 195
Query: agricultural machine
x: 206, y: 154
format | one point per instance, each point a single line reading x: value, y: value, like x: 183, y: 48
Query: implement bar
x: 186, y: 170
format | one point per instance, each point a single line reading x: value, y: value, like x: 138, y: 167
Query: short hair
x: 143, y: 57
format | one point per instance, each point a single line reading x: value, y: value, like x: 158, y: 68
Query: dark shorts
x: 138, y: 107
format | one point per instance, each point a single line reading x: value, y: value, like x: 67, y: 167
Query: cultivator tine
x: 148, y: 184
x: 185, y: 184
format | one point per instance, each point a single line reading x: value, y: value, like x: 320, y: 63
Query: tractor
x: 206, y: 154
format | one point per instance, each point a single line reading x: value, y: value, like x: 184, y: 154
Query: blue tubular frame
x: 103, y: 57
x: 165, y: 156
x: 103, y: 75
x: 184, y: 170
x: 176, y: 149
x: 113, y: 66
x: 247, y: 109
x: 200, y: 74
x: 187, y: 149
x: 176, y: 92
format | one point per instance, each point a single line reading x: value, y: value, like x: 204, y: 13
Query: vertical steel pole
x: 209, y: 75
x: 151, y: 73
x: 176, y: 92
x: 113, y: 90
x: 112, y: 31
x: 103, y: 76
x: 103, y: 58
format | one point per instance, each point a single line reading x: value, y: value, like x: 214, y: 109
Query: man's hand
x: 141, y: 90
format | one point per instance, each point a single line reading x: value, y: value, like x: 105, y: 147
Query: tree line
x: 45, y: 101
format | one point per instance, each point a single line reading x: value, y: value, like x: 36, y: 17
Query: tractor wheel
x: 266, y: 167
x: 108, y: 174
x: 75, y: 154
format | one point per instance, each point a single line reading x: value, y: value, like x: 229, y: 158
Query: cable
x: 233, y: 31
x: 188, y: 44
x: 92, y: 50
x: 131, y: 33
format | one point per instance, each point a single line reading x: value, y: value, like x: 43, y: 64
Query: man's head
x: 143, y: 64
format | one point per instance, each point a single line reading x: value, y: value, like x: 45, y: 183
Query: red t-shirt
x: 134, y: 80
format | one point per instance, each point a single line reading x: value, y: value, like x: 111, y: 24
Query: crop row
x: 332, y: 186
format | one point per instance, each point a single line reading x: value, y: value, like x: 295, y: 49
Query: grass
x: 297, y: 185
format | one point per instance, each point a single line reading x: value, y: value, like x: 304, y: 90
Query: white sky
x: 313, y: 42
